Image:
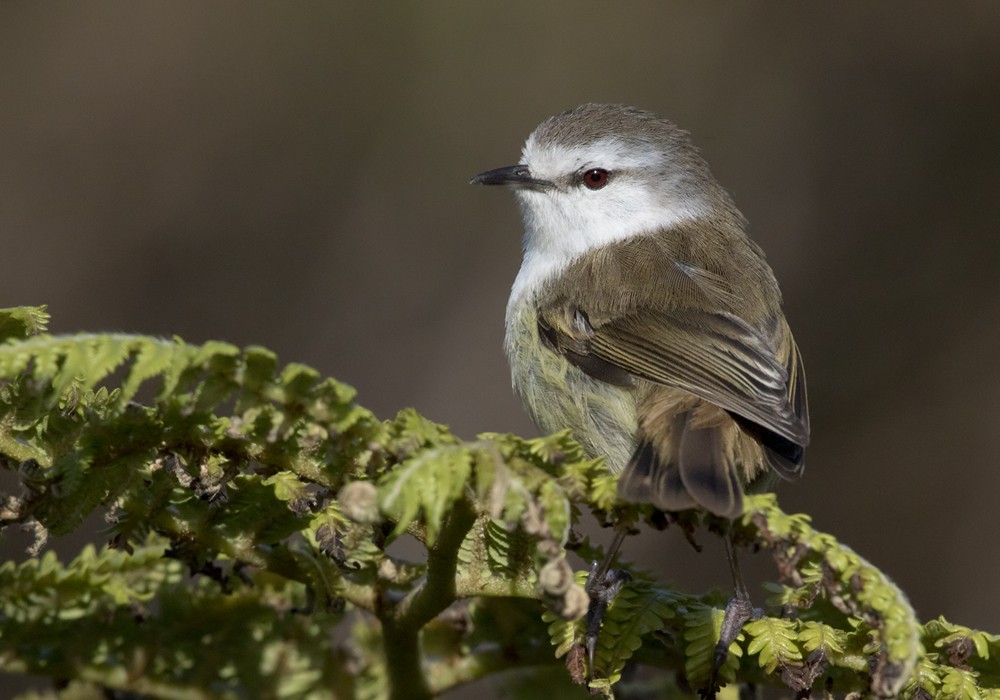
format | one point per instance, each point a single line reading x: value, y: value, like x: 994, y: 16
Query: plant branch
x: 402, y: 622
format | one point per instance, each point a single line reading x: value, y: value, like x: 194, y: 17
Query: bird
x: 646, y: 320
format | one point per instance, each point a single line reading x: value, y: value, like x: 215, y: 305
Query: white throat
x: 556, y: 234
x: 645, y: 194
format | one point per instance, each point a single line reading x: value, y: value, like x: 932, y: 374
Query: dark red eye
x: 596, y: 178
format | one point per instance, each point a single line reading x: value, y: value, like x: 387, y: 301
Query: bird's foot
x: 739, y: 610
x: 602, y: 587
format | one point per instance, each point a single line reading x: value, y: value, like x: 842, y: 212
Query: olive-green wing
x: 715, y: 356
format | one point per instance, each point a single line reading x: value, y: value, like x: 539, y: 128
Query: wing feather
x: 715, y: 356
x: 694, y: 308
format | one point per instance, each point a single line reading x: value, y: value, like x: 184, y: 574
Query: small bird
x: 644, y: 318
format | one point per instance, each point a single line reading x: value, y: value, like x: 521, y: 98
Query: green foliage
x: 958, y: 663
x: 252, y: 510
x: 774, y: 643
x: 22, y: 321
x: 702, y: 629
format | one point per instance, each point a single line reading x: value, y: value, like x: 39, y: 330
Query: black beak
x: 511, y: 176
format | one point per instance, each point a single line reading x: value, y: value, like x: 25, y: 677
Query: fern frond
x: 640, y: 609
x: 427, y: 484
x: 773, y: 642
x: 836, y: 572
x: 702, y: 628
x: 959, y: 684
x: 22, y: 321
x: 251, y: 505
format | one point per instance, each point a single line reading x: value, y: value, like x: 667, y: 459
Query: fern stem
x: 438, y: 590
x: 402, y: 653
x: 18, y: 449
x: 402, y: 622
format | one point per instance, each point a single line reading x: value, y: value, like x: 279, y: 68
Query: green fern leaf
x: 702, y: 630
x: 410, y: 431
x: 288, y: 487
x: 926, y: 677
x: 564, y: 634
x: 604, y: 491
x: 150, y: 359
x: 816, y: 635
x: 944, y: 634
x: 508, y: 550
x: 430, y: 483
x: 772, y: 640
x: 557, y: 448
x: 555, y: 509
x: 958, y: 684
x: 639, y: 609
x: 22, y: 322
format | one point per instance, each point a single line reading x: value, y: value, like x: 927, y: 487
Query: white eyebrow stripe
x: 550, y: 161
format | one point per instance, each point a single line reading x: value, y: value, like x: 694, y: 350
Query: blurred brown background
x: 294, y: 175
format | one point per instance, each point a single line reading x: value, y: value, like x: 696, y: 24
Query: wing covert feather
x: 715, y: 356
x: 695, y: 308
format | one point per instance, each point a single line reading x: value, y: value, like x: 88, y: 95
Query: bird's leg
x: 603, y: 585
x: 739, y: 609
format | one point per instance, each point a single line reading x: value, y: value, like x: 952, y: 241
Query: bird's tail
x: 686, y: 466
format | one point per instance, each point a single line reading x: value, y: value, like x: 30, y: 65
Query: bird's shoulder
x: 703, y: 265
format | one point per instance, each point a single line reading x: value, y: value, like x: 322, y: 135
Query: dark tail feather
x: 697, y: 472
x: 648, y: 479
x: 708, y: 473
